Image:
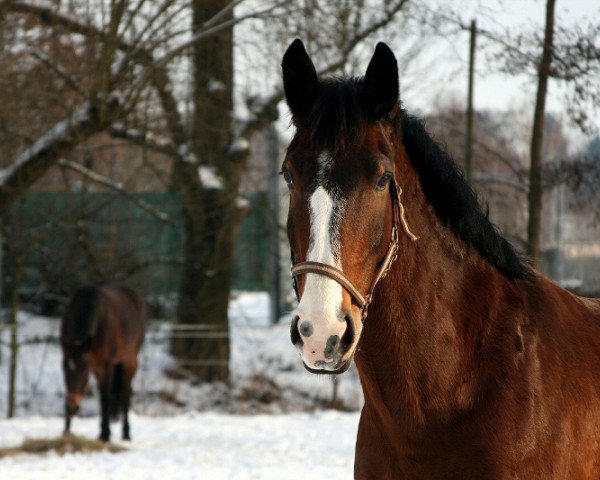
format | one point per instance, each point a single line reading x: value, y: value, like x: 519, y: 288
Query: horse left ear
x: 381, y: 82
x: 300, y: 81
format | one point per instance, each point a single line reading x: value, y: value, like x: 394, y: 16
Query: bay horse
x: 102, y: 330
x: 473, y: 365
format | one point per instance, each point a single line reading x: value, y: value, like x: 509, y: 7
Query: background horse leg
x: 130, y: 370
x: 105, y: 386
x: 67, y: 418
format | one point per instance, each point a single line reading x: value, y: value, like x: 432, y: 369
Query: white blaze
x: 321, y: 300
x: 322, y: 294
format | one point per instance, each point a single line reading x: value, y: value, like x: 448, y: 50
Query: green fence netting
x: 67, y: 238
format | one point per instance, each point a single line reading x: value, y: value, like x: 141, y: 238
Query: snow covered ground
x: 196, y: 446
x: 181, y: 430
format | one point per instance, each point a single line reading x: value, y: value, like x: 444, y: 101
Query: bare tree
x: 571, y: 56
x: 535, y: 166
x: 139, y: 58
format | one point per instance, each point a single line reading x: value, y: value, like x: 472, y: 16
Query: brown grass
x: 67, y: 443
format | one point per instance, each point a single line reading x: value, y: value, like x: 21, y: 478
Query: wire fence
x: 162, y: 384
x: 39, y: 377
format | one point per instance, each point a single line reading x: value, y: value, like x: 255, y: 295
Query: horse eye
x: 384, y: 181
x: 287, y: 176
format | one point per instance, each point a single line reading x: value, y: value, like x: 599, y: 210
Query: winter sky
x: 495, y: 90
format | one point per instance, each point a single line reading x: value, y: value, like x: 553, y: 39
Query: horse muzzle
x: 340, y: 368
x: 73, y: 402
x: 325, y: 347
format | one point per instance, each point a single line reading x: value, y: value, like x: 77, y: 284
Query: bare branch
x: 488, y: 178
x: 264, y: 111
x: 117, y: 187
x: 141, y: 138
x: 42, y: 57
x: 47, y: 150
x: 205, y: 32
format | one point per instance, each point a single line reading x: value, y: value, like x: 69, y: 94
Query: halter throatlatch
x: 336, y: 274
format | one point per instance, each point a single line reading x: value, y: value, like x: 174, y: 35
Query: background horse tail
x: 117, y: 391
x: 79, y: 317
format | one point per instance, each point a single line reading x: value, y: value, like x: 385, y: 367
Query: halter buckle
x: 365, y: 309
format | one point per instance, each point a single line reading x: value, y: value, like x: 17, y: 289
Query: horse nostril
x: 331, y: 348
x: 306, y: 328
x: 294, y: 333
x: 348, y: 337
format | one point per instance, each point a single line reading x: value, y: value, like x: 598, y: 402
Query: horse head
x: 76, y: 371
x: 345, y: 211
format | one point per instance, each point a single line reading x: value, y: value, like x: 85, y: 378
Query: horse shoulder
x: 553, y: 309
x: 562, y: 369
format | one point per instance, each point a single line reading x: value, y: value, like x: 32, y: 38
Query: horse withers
x: 473, y: 365
x: 102, y: 331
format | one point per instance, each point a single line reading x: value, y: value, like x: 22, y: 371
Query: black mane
x: 454, y: 201
x: 339, y: 119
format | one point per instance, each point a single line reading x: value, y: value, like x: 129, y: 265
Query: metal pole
x: 469, y: 138
x: 275, y: 297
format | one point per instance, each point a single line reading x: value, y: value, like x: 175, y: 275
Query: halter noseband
x: 341, y: 278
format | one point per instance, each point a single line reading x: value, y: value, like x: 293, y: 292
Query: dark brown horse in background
x: 102, y: 330
x: 473, y: 365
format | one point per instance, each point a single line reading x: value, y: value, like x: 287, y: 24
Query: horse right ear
x: 300, y: 81
x: 381, y: 83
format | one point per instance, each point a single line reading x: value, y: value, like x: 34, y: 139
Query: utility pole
x: 469, y: 138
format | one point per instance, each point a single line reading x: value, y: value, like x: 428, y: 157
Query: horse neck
x: 430, y: 319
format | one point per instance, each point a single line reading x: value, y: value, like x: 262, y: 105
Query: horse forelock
x: 338, y: 118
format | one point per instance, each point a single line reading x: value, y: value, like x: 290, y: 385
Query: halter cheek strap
x: 336, y: 274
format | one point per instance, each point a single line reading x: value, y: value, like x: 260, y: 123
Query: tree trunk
x: 205, y: 285
x: 537, y: 138
x: 211, y: 212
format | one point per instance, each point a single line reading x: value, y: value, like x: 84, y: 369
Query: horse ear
x: 300, y: 81
x: 381, y: 82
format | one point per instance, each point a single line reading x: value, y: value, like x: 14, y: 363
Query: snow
x: 240, y: 145
x: 201, y: 433
x: 242, y: 203
x: 209, y: 177
x: 215, y: 86
x: 186, y: 154
x: 192, y: 446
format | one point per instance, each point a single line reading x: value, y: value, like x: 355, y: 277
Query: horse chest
x: 494, y: 447
x: 384, y: 451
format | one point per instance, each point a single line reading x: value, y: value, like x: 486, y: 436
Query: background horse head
x: 102, y: 331
x: 76, y: 340
x: 465, y: 351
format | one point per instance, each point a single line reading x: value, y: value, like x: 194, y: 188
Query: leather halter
x: 336, y: 274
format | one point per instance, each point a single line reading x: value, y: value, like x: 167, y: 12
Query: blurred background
x: 140, y: 141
